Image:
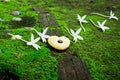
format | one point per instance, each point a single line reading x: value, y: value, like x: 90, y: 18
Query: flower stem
x: 68, y: 31
x: 37, y: 32
x: 82, y: 26
x: 93, y: 23
x: 19, y: 39
x: 100, y: 14
x: 10, y: 34
x: 24, y: 40
x: 29, y: 28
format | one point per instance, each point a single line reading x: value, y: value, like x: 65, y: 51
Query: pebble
x: 15, y: 13
x: 1, y: 20
x: 17, y: 19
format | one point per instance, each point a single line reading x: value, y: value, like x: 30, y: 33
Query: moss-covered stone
x: 99, y: 50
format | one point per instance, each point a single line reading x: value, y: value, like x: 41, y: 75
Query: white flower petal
x: 75, y: 38
x: 36, y: 46
x: 72, y: 32
x: 79, y: 17
x: 44, y: 32
x: 84, y: 21
x: 29, y: 43
x: 80, y: 38
x: 111, y: 12
x: 106, y: 27
x: 32, y: 37
x: 83, y: 17
x: 43, y: 39
x: 99, y: 24
x: 103, y: 23
x: 114, y: 17
x: 78, y: 31
x: 36, y: 40
x: 46, y: 36
x: 103, y: 29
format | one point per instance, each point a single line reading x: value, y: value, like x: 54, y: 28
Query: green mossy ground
x: 101, y: 51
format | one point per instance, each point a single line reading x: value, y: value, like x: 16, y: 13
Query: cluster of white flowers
x: 100, y: 25
x: 111, y: 16
x: 74, y: 34
x: 32, y: 42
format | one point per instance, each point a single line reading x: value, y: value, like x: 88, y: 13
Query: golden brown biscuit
x: 59, y: 43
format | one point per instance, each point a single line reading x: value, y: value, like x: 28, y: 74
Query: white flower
x: 112, y: 15
x: 43, y: 34
x: 101, y: 25
x: 75, y: 34
x: 82, y: 20
x: 14, y: 37
x: 33, y: 42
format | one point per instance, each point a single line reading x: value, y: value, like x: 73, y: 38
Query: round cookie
x: 59, y: 43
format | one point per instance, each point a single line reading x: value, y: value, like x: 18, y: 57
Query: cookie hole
x: 60, y: 41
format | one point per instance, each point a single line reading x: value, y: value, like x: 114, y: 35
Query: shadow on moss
x: 7, y: 73
x: 27, y: 21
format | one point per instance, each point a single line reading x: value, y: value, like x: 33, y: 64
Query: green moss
x: 99, y: 50
x: 29, y: 63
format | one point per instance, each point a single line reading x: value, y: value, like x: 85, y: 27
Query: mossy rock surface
x: 27, y: 65
x: 99, y: 50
